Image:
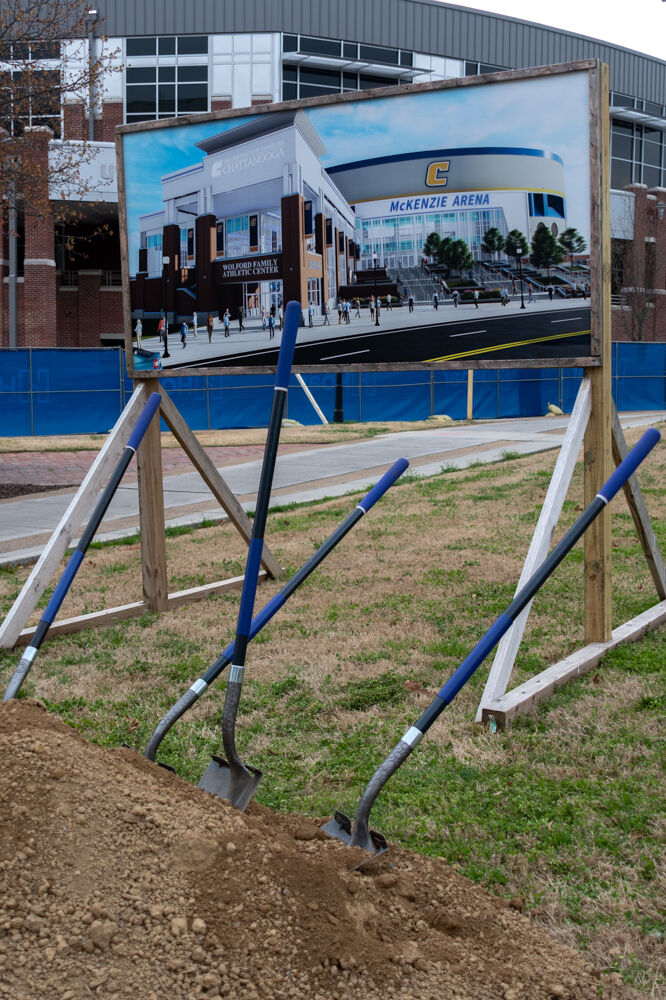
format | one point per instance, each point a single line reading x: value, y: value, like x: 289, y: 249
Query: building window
x: 299, y: 81
x: 30, y: 93
x: 638, y: 154
x: 476, y: 68
x: 169, y: 82
x: 310, y: 80
x: 186, y: 246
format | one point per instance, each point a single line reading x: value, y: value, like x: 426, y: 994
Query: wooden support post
x: 639, y: 512
x: 77, y: 512
x: 524, y: 699
x: 151, y: 514
x: 500, y: 672
x: 213, y: 479
x: 98, y: 619
x: 597, y: 456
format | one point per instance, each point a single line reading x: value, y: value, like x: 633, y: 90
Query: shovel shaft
x: 79, y: 552
x: 459, y: 678
x: 274, y: 605
x: 232, y: 699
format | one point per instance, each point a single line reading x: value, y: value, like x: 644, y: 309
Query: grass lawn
x: 566, y: 809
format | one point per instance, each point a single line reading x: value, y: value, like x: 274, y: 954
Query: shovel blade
x: 236, y: 785
x: 340, y: 827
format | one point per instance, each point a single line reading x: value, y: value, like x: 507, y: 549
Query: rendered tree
x: 456, y: 255
x: 492, y: 242
x: 516, y: 241
x: 431, y: 245
x: 572, y: 243
x: 545, y: 251
x: 443, y: 251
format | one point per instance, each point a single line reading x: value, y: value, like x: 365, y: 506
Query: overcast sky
x: 638, y: 24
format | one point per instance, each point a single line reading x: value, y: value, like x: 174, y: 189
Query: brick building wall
x: 639, y: 270
x: 39, y: 268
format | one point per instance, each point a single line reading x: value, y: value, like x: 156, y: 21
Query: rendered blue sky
x: 549, y: 113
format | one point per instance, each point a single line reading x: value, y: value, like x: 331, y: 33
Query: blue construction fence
x: 81, y: 391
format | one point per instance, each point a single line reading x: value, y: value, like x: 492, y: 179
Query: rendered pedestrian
x: 226, y: 319
x: 310, y: 314
x: 271, y: 327
x: 210, y: 323
x: 411, y: 303
x: 550, y: 290
x: 183, y: 334
x: 240, y: 319
x: 263, y: 317
x: 530, y: 294
x: 138, y: 332
x: 195, y: 323
x: 347, y: 312
x: 435, y: 301
x: 357, y: 305
x: 327, y: 314
x: 476, y: 298
x: 455, y: 295
x: 280, y: 314
x: 388, y: 302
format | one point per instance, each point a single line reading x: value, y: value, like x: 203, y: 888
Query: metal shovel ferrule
x: 362, y: 836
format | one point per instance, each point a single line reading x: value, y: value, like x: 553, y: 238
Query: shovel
x: 340, y: 826
x: 196, y: 690
x: 230, y: 778
x: 79, y: 552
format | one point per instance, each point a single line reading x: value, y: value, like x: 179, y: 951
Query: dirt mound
x: 119, y: 880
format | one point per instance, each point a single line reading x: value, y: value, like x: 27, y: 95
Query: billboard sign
x: 423, y: 226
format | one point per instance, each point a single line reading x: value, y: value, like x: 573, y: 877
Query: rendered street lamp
x: 519, y: 255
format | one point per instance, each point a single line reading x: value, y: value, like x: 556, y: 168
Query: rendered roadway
x: 544, y: 330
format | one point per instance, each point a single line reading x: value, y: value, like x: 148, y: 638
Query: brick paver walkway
x: 69, y: 468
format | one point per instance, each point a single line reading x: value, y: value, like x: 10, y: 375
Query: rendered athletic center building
x: 173, y: 60
x: 255, y: 223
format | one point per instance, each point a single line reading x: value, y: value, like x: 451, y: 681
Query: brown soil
x: 119, y: 880
x: 23, y: 489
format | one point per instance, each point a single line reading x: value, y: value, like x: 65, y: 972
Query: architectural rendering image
x: 230, y: 217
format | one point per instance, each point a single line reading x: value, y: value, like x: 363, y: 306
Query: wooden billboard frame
x: 593, y: 419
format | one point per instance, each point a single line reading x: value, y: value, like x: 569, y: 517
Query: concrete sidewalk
x: 310, y: 473
x: 253, y: 338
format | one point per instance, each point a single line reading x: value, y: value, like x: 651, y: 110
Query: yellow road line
x: 504, y: 347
